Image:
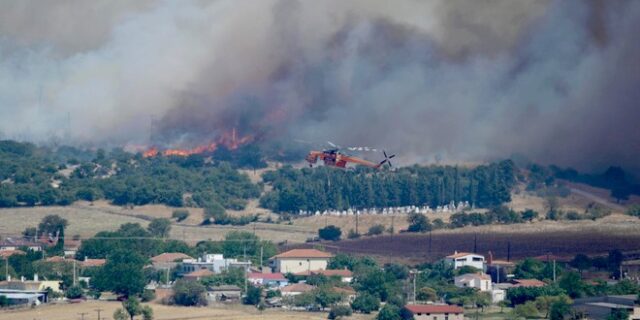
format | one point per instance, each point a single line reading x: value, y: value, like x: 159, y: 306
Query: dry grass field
x: 161, y: 312
x: 85, y: 219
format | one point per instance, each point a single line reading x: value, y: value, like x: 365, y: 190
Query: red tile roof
x: 528, y: 283
x: 433, y: 308
x: 72, y: 244
x: 462, y: 254
x: 59, y: 259
x: 303, y: 253
x: 504, y: 263
x: 9, y: 253
x: 199, y: 273
x: 93, y: 262
x: 327, y: 273
x: 298, y: 287
x: 169, y: 257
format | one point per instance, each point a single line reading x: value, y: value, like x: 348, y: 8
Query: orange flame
x: 229, y: 139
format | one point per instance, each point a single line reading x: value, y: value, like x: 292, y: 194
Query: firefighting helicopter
x: 334, y: 157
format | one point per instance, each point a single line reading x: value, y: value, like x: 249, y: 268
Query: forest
x: 32, y: 175
x: 326, y: 188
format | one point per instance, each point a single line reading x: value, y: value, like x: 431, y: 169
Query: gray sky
x: 554, y: 81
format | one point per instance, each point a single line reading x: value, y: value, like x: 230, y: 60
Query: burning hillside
x: 229, y: 139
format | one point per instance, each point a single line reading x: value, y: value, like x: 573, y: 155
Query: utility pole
x: 6, y: 268
x: 497, y: 273
x: 74, y: 272
x: 554, y: 271
x: 98, y: 311
x: 621, y: 277
x: 167, y: 278
x: 393, y: 230
x: 261, y: 256
x: 357, y: 223
x: 414, y: 273
x: 82, y: 315
x: 414, y: 288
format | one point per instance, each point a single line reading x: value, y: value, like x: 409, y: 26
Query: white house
x: 345, y: 274
x: 296, y: 289
x: 215, y: 263
x: 479, y: 281
x: 497, y: 295
x: 461, y: 259
x: 435, y: 312
x: 267, y: 279
x: 299, y: 260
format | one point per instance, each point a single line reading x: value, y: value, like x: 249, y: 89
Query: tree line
x: 31, y: 175
x: 326, y: 188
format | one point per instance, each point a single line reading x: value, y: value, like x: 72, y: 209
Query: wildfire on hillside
x: 228, y: 139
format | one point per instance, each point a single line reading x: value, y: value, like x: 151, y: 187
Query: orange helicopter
x: 334, y: 157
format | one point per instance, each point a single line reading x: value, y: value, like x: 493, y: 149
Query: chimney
x: 490, y: 258
x: 35, y: 277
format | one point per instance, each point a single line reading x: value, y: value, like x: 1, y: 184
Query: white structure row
x: 452, y: 207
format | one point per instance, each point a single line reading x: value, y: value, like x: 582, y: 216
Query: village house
x: 345, y: 274
x: 224, y: 293
x: 198, y: 274
x: 296, y: 289
x: 478, y: 281
x: 168, y: 260
x: 435, y: 312
x: 498, y: 295
x: 26, y: 292
x: 269, y: 280
x: 10, y: 244
x: 31, y: 285
x: 4, y: 254
x: 347, y: 292
x: 71, y: 247
x: 631, y: 269
x: 602, y: 307
x: 89, y: 263
x: 528, y: 283
x: 215, y: 263
x: 299, y: 260
x: 499, y: 270
x: 461, y: 259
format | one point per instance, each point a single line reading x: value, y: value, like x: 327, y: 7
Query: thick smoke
x: 553, y: 81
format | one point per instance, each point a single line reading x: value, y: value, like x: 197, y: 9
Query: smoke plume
x: 553, y: 81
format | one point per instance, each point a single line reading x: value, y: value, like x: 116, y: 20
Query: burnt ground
x: 418, y: 248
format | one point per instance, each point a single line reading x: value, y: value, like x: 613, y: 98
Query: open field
x: 161, y: 312
x: 558, y: 238
x: 85, y: 219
